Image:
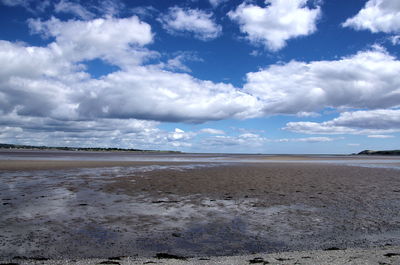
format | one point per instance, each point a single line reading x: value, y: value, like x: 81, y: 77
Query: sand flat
x: 85, y: 209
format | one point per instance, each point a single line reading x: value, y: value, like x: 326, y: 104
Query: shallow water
x: 371, y: 161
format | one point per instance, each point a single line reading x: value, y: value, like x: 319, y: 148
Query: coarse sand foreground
x: 371, y: 256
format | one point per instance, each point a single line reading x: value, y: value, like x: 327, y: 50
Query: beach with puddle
x: 197, y: 206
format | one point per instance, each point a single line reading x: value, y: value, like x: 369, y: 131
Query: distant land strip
x: 95, y: 149
x: 385, y: 152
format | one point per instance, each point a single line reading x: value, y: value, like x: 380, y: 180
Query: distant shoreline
x: 89, y: 149
x: 134, y: 150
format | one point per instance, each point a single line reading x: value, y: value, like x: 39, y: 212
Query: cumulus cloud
x: 368, y: 79
x: 356, y: 122
x: 52, y: 87
x: 47, y: 92
x: 99, y: 132
x: 46, y: 81
x: 372, y: 119
x: 377, y: 16
x: 193, y: 21
x: 35, y: 81
x: 277, y: 22
x: 125, y: 133
x: 180, y: 138
x: 110, y: 38
x: 147, y: 93
x: 51, y: 81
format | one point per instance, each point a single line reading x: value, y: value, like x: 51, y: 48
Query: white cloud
x: 244, y: 140
x: 356, y: 122
x: 45, y: 91
x: 380, y: 136
x: 277, y: 22
x: 30, y: 5
x: 192, y: 21
x: 212, y: 131
x: 77, y: 9
x: 46, y: 81
x: 16, y: 2
x: 318, y: 128
x: 51, y: 81
x: 179, y: 135
x: 149, y: 93
x: 395, y: 39
x: 110, y: 38
x: 307, y: 139
x: 144, y: 11
x: 255, y: 53
x: 353, y: 144
x: 178, y: 62
x: 249, y: 141
x: 377, y: 16
x: 307, y: 114
x: 125, y: 133
x: 215, y: 3
x: 368, y: 79
x: 109, y: 8
x: 178, y: 139
x: 371, y: 119
x: 34, y: 81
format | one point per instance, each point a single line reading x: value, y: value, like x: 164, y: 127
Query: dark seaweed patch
x: 389, y: 255
x: 169, y: 256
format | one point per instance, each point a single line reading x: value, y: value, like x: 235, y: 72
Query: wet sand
x: 33, y: 165
x: 102, y: 209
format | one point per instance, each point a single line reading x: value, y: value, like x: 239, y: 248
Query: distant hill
x: 93, y: 149
x: 386, y: 152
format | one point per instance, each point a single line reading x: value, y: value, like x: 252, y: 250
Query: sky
x: 209, y: 76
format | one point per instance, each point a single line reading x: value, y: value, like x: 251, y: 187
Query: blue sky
x: 275, y: 76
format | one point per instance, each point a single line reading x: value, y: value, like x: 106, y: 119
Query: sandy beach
x: 207, y: 212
